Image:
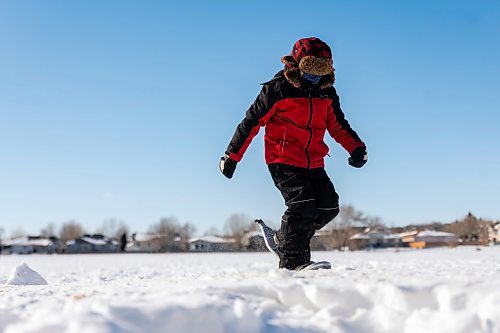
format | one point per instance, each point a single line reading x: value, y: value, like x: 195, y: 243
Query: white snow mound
x: 25, y: 276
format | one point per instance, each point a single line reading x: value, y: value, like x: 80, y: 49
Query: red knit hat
x: 311, y: 55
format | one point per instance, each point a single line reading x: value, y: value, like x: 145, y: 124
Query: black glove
x: 227, y: 166
x: 358, y: 157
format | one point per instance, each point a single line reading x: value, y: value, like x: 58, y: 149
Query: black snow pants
x: 312, y: 202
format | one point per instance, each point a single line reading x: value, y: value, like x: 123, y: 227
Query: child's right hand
x: 227, y: 166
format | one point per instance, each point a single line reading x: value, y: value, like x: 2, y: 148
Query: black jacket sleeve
x: 256, y: 116
x: 339, y: 127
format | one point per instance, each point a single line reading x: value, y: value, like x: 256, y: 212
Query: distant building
x: 376, y: 236
x: 211, y: 244
x: 322, y: 240
x: 254, y: 241
x: 92, y: 244
x: 408, y: 237
x: 436, y: 238
x: 494, y: 233
x: 146, y: 243
x: 428, y: 238
x: 29, y: 245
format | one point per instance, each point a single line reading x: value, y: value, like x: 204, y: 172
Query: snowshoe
x: 314, y: 266
x: 272, y: 245
x: 269, y: 237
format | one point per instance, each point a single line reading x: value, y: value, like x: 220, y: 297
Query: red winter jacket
x: 296, y: 121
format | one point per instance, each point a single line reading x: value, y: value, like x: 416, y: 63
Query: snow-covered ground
x: 435, y: 290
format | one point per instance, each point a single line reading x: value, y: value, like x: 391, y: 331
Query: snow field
x: 436, y: 290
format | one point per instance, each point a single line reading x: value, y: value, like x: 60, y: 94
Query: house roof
x: 212, y: 239
x: 25, y: 241
x: 408, y: 233
x: 360, y: 236
x: 94, y: 241
x: 392, y: 236
x: 433, y: 233
x: 147, y: 237
x: 323, y: 232
x: 253, y: 233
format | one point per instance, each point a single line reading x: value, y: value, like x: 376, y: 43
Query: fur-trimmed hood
x: 292, y: 75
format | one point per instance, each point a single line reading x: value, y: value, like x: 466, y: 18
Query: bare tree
x: 236, y: 226
x: 342, y: 226
x: 113, y: 228
x: 167, y: 231
x: 70, y: 230
x: 185, y: 233
x: 48, y: 231
x: 469, y: 229
x: 18, y: 232
x: 212, y: 231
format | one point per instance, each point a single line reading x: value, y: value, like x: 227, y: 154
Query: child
x: 297, y: 106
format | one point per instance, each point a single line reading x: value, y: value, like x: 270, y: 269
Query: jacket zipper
x: 283, y: 143
x: 310, y: 131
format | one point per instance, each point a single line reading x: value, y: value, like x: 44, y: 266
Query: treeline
x: 337, y: 233
x: 113, y: 229
x: 470, y: 229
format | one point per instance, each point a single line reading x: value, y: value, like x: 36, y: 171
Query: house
x: 211, y: 244
x: 254, y: 241
x: 408, y: 237
x: 18, y: 245
x: 494, y: 233
x: 322, y: 240
x: 92, y: 244
x: 29, y: 245
x: 428, y: 238
x: 376, y: 236
x: 436, y: 238
x: 146, y: 243
x: 150, y: 243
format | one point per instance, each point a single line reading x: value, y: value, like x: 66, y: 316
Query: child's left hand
x: 358, y: 158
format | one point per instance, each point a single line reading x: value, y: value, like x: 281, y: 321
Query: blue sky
x: 121, y: 109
